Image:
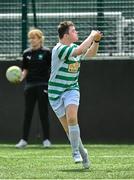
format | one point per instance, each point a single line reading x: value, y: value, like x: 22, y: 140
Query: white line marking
x: 48, y: 156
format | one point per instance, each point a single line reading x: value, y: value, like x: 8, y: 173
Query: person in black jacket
x: 36, y: 70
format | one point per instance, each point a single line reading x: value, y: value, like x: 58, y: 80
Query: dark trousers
x: 33, y: 95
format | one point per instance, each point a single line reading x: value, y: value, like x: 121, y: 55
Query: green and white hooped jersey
x: 64, y: 71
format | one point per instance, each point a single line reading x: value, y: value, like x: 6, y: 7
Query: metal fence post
x: 100, y: 19
x: 24, y: 24
x: 34, y: 13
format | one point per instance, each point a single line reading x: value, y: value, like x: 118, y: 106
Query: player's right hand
x: 17, y: 82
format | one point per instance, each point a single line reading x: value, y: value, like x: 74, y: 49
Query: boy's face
x: 72, y: 34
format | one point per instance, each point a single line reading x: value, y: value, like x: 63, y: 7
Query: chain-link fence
x: 115, y: 18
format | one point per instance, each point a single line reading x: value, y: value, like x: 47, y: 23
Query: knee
x: 72, y: 120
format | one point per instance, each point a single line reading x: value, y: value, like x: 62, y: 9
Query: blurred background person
x: 35, y: 70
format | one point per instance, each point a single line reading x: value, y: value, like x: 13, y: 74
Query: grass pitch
x: 36, y: 162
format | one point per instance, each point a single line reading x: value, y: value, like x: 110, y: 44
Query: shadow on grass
x: 80, y: 170
x: 36, y: 147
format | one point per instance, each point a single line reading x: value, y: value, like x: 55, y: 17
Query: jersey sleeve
x: 49, y: 61
x: 65, y: 52
x: 49, y: 58
x: 24, y: 62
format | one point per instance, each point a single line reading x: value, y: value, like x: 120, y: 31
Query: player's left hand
x: 98, y: 35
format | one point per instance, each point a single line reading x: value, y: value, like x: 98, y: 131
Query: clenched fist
x: 97, y: 35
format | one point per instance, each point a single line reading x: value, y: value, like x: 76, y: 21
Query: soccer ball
x: 13, y: 74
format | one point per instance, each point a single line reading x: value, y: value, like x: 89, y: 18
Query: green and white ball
x: 13, y: 74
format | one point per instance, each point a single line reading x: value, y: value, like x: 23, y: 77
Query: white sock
x: 74, y: 136
x: 81, y: 147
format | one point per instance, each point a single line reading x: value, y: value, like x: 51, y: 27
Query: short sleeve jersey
x: 38, y: 64
x: 65, y: 70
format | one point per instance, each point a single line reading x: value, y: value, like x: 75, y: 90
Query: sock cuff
x: 74, y: 127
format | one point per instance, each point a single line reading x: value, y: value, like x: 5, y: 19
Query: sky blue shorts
x: 68, y: 97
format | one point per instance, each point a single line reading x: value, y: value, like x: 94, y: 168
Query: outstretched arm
x: 92, y: 50
x: 86, y: 44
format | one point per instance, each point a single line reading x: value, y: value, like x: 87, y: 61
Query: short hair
x: 63, y: 28
x: 36, y: 32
